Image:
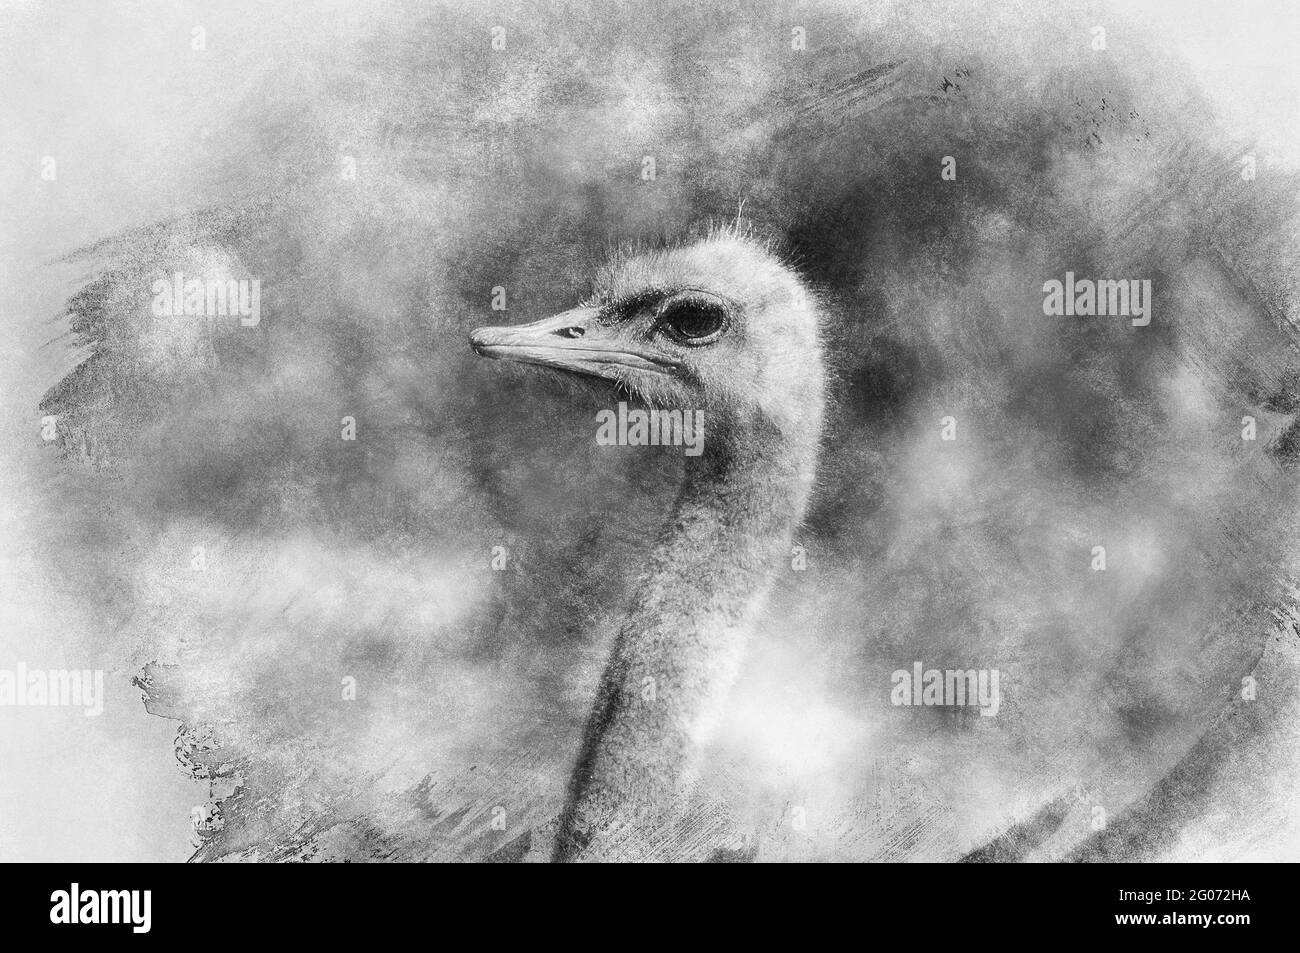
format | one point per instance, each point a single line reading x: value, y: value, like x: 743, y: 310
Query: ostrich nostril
x: 571, y: 332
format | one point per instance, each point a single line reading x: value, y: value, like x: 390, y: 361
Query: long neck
x: 679, y: 649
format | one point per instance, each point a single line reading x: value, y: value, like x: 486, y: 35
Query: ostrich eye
x: 693, y: 322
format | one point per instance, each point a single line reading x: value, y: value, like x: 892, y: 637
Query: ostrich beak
x: 573, y: 341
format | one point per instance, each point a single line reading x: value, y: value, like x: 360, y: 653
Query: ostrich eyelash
x: 618, y: 310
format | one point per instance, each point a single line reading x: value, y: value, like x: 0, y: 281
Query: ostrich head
x: 720, y: 324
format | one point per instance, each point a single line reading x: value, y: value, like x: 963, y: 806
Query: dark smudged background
x: 370, y: 559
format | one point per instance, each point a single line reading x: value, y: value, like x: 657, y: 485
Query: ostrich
x: 722, y: 326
